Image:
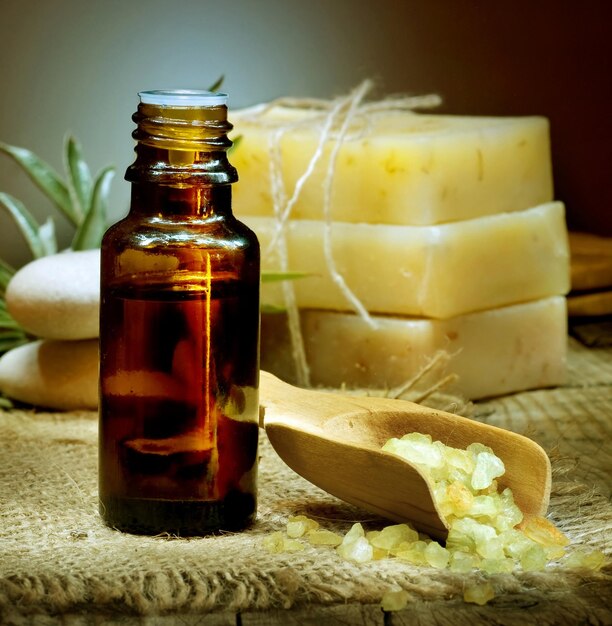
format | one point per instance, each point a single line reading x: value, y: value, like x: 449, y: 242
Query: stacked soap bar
x: 398, y: 167
x: 493, y: 352
x: 433, y: 271
x: 442, y: 227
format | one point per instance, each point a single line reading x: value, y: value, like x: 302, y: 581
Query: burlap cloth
x: 58, y: 562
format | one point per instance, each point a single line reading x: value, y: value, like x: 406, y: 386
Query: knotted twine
x: 335, y: 121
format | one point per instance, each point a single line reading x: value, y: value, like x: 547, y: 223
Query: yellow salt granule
x: 479, y: 594
x: 394, y: 600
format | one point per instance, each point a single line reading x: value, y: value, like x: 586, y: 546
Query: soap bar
x: 431, y: 271
x: 493, y: 352
x: 396, y: 167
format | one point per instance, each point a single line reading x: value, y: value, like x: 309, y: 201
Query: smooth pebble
x: 58, y: 296
x: 52, y: 374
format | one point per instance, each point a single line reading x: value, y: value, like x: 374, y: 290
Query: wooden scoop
x: 335, y: 442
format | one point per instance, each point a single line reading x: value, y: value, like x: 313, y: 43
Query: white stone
x: 52, y: 374
x: 58, y: 296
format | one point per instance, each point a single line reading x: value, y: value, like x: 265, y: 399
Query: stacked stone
x: 56, y: 300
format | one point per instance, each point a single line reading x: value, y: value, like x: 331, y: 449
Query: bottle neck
x: 181, y: 146
x: 169, y: 201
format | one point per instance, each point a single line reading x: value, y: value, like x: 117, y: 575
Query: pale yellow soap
x: 493, y: 352
x: 396, y: 167
x: 431, y: 271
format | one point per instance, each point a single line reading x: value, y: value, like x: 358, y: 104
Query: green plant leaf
x: 45, y: 177
x: 9, y: 324
x: 217, y: 84
x: 6, y: 273
x: 26, y: 223
x: 79, y: 177
x: 235, y: 143
x: 268, y: 276
x: 46, y: 234
x: 89, y: 234
x: 5, y: 403
x: 10, y: 343
x: 271, y: 308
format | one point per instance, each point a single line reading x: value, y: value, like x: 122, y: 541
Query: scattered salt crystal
x: 358, y: 550
x: 299, y: 525
x: 355, y: 547
x: 413, y: 553
x: 544, y: 532
x: 277, y: 542
x: 323, y: 537
x: 436, y: 555
x: 394, y: 600
x: 479, y: 594
x: 586, y: 557
x: 392, y: 536
x: 274, y: 542
x: 534, y: 558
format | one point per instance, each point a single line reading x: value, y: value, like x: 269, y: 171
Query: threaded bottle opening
x: 183, y: 97
x: 182, y: 137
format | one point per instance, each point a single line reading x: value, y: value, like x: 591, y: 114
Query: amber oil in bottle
x: 179, y: 332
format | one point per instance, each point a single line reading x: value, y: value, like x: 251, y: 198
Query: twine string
x: 344, y: 118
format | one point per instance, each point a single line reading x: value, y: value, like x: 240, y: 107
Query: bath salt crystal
x: 534, y: 558
x: 462, y: 562
x: 413, y: 553
x: 492, y: 548
x: 277, y: 543
x: 485, y: 506
x: 298, y: 525
x: 392, y: 536
x: 456, y: 500
x: 500, y: 565
x: 586, y: 557
x: 510, y: 515
x: 479, y: 594
x: 321, y: 537
x: 469, y: 534
x: 359, y: 550
x: 418, y: 449
x: 488, y: 467
x: 515, y: 543
x: 543, y: 531
x: 436, y: 555
x: 394, y: 600
x: 355, y: 547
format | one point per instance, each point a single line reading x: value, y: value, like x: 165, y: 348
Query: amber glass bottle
x: 179, y: 331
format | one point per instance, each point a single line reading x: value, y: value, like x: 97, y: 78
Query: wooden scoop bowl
x: 335, y: 442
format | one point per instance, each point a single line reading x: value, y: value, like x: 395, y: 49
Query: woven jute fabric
x: 57, y: 558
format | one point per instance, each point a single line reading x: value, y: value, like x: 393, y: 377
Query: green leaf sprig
x: 82, y: 199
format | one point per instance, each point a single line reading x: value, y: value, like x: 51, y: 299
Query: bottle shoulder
x: 154, y: 231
